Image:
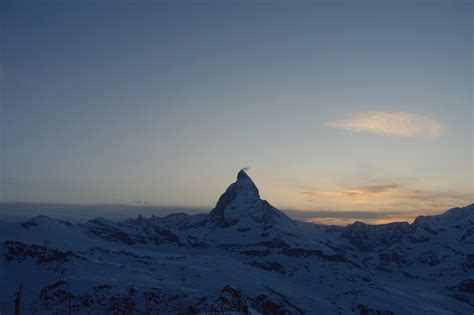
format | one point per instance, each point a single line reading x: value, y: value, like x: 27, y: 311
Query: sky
x: 341, y: 110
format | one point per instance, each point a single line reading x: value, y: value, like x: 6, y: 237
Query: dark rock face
x: 465, y: 286
x: 243, y: 175
x: 277, y: 304
x: 147, y: 233
x: 364, y: 310
x: 124, y: 304
x: 54, y: 293
x: 468, y: 236
x: 300, y: 252
x: 463, y: 291
x: 273, y: 266
x: 468, y: 262
x: 51, y: 259
x: 256, y: 253
x: 44, y: 255
x: 111, y: 233
x: 430, y: 258
x: 267, y: 306
x: 232, y: 300
x: 271, y: 214
x: 29, y: 224
x: 274, y: 243
x: 217, y: 215
x: 182, y: 221
x: 387, y: 260
x: 195, y: 243
x: 224, y: 200
x: 160, y: 236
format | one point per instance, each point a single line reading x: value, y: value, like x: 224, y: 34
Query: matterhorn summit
x: 241, y: 204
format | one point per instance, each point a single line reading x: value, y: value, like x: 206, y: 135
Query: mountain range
x: 243, y: 257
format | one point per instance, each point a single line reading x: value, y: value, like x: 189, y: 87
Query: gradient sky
x: 342, y: 106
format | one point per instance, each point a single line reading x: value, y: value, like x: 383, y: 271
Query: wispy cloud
x: 344, y: 217
x: 388, y: 204
x: 340, y: 214
x: 391, y: 123
x: 386, y: 196
x: 362, y: 190
x: 375, y: 199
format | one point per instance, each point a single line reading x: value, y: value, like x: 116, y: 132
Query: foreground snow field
x: 244, y: 257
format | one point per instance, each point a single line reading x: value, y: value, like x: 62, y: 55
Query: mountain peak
x: 245, y: 187
x: 241, y: 200
x: 242, y: 175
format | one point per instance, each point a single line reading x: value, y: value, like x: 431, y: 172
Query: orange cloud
x: 387, y: 196
x: 339, y: 217
x: 374, y: 194
x: 391, y: 123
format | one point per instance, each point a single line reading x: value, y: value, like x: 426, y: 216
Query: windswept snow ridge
x: 245, y: 257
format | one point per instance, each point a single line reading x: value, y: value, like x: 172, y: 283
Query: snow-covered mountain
x: 245, y: 257
x: 241, y: 205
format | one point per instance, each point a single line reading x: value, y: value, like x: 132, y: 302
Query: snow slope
x: 246, y: 257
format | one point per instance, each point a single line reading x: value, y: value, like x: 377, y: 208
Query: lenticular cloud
x: 391, y: 123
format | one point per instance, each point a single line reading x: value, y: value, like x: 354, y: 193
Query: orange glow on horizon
x: 347, y: 221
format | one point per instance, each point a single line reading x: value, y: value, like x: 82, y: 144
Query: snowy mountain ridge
x: 245, y: 257
x: 241, y: 202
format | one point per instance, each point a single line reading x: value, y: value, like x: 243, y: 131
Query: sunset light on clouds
x: 391, y: 123
x: 384, y: 200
